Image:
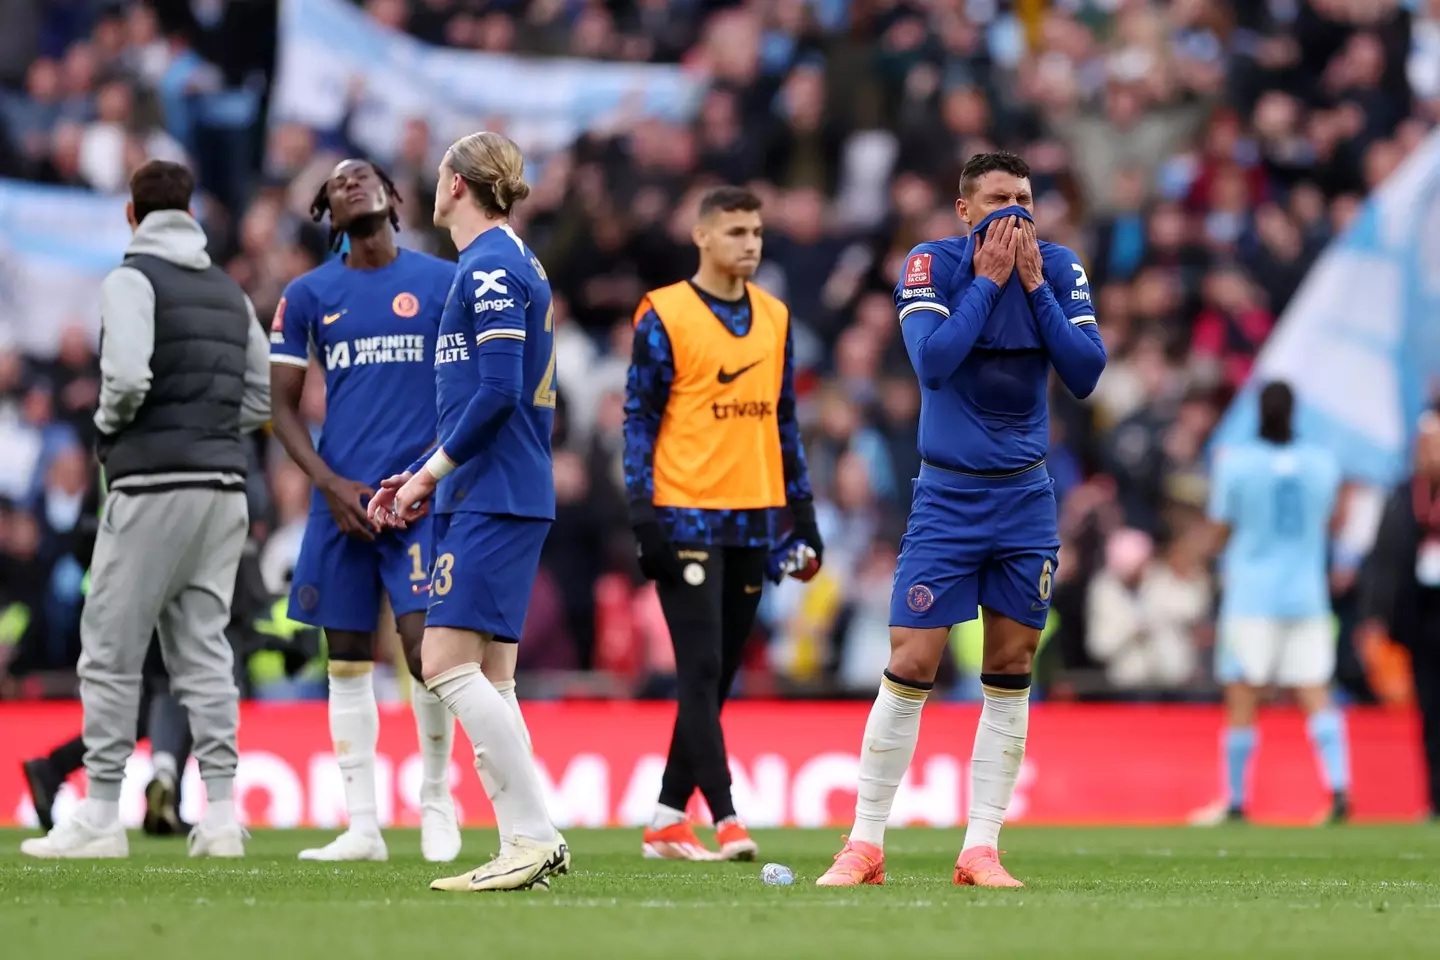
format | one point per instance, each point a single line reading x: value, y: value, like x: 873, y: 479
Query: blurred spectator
x: 1144, y: 612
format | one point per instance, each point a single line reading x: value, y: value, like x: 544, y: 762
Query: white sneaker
x: 77, y: 839
x: 525, y: 865
x: 225, y: 840
x: 439, y: 831
x: 350, y: 845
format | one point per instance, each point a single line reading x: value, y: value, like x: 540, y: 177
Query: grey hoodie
x: 127, y: 316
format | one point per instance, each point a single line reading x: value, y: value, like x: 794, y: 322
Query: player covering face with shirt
x: 492, y: 485
x: 985, y: 318
x: 370, y: 319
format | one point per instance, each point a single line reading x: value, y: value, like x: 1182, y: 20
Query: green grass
x: 1254, y: 892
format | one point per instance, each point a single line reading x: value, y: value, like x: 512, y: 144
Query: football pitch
x: 1247, y: 891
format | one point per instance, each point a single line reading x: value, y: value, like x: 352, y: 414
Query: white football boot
x: 76, y: 839
x: 350, y: 845
x: 525, y: 865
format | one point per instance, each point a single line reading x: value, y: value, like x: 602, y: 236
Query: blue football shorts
x: 485, y: 568
x: 977, y: 541
x: 338, y: 580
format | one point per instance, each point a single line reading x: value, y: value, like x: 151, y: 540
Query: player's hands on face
x: 380, y: 513
x: 412, y: 500
x: 995, y: 254
x: 346, y: 499
x: 1027, y: 258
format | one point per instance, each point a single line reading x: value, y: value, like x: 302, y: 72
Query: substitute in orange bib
x: 712, y: 462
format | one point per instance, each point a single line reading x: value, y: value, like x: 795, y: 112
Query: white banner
x: 56, y: 245
x: 1360, y: 341
x: 327, y: 46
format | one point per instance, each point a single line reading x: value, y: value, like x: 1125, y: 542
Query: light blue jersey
x: 1277, y: 500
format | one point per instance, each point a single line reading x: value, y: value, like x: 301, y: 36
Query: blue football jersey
x: 991, y: 414
x: 499, y: 290
x: 374, y: 333
x: 1277, y: 500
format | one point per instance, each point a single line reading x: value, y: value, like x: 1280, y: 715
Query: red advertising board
x: 794, y: 764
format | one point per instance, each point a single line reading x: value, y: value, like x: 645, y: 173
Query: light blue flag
x: 1360, y: 341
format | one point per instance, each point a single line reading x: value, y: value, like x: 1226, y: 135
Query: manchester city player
x: 371, y: 318
x: 1273, y: 499
x: 494, y: 494
x: 985, y: 318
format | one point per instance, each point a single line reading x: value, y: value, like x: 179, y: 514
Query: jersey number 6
x: 545, y: 392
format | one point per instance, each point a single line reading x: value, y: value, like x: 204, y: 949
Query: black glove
x: 806, y: 528
x: 657, y: 558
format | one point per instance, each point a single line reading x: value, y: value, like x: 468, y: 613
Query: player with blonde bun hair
x: 490, y: 486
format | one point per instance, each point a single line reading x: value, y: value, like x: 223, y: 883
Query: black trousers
x: 710, y: 613
x: 1426, y: 665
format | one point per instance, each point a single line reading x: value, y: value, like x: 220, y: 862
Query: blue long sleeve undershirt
x: 937, y: 343
x: 1076, y: 351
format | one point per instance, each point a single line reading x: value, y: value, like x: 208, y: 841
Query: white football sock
x: 995, y: 762
x: 355, y: 729
x: 890, y: 737
x: 506, y: 689
x: 435, y: 726
x: 505, y: 767
x: 666, y: 817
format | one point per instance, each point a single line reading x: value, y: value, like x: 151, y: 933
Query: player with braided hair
x: 364, y: 225
x: 370, y: 319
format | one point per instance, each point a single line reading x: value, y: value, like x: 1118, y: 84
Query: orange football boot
x: 675, y: 842
x: 856, y: 864
x: 734, y: 840
x: 980, y: 867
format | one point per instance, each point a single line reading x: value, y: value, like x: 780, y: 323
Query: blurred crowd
x: 1198, y: 153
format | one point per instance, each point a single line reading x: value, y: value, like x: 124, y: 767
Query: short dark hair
x: 1277, y: 412
x: 160, y: 185
x: 728, y: 200
x: 982, y: 163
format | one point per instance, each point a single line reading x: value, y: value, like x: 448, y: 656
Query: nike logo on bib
x: 725, y: 376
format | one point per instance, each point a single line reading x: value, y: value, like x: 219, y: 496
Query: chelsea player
x: 985, y: 318
x: 494, y: 493
x: 371, y: 318
x: 1273, y: 499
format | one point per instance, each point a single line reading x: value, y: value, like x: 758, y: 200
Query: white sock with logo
x: 505, y: 766
x: 435, y: 727
x: 995, y: 762
x: 506, y: 689
x: 355, y: 731
x: 885, y: 752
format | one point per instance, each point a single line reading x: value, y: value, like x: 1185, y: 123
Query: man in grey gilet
x: 185, y: 374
